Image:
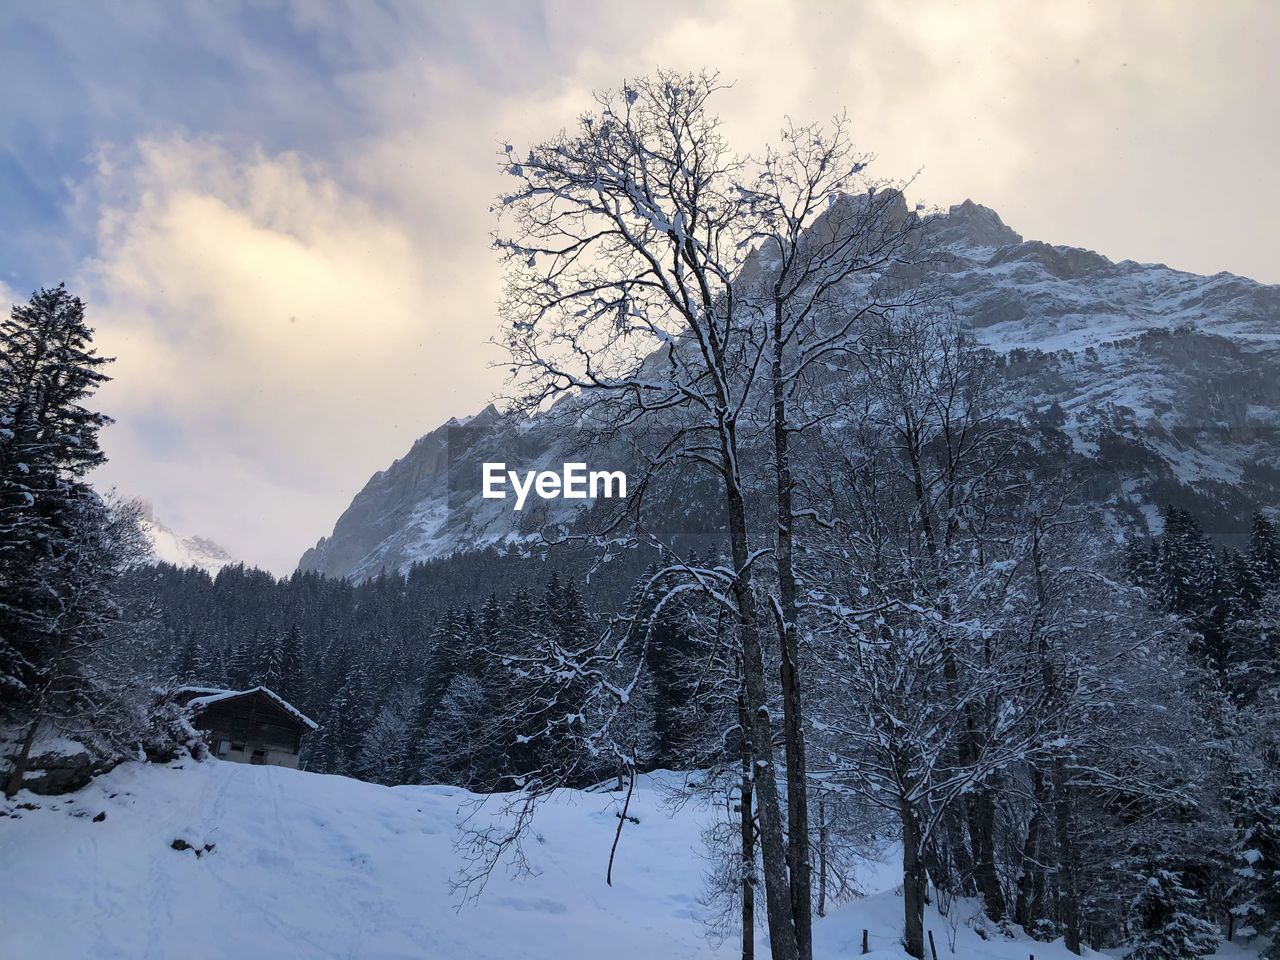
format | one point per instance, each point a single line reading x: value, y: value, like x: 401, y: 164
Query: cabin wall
x: 251, y: 730
x: 224, y: 748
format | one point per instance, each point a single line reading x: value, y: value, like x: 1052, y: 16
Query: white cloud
x: 275, y: 338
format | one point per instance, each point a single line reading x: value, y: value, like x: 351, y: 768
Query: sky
x: 278, y: 212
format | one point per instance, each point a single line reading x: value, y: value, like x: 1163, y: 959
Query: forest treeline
x: 405, y: 674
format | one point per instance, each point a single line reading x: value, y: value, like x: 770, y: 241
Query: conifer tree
x: 381, y: 754
x: 291, y: 665
x: 48, y: 442
x: 1167, y: 921
x: 1255, y: 892
x: 188, y: 658
x: 62, y: 548
x: 241, y: 673
x: 1264, y: 550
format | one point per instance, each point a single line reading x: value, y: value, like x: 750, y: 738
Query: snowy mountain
x: 170, y: 547
x: 214, y: 860
x: 1165, y: 383
x: 427, y: 503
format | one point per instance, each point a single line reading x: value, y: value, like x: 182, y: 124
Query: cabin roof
x: 201, y: 697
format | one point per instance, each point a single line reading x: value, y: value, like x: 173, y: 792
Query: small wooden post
x: 933, y: 947
x: 864, y: 940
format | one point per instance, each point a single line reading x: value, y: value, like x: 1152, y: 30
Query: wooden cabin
x: 248, y: 726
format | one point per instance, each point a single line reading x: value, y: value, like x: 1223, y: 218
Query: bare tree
x: 927, y: 688
x: 624, y: 237
x: 829, y: 246
x: 674, y: 290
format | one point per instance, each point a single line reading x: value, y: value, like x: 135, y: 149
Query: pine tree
x: 272, y: 660
x: 1185, y: 563
x: 1255, y: 892
x: 381, y: 755
x: 61, y: 546
x: 1264, y: 550
x: 351, y: 717
x: 417, y: 740
x: 292, y: 686
x: 1191, y: 584
x: 1243, y: 584
x: 188, y: 659
x: 48, y: 442
x: 456, y: 749
x: 667, y: 655
x: 573, y: 621
x: 241, y: 673
x: 211, y: 666
x: 1166, y: 919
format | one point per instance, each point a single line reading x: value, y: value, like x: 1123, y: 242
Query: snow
x: 49, y: 742
x: 312, y: 867
x: 1089, y: 326
x: 214, y: 695
x: 170, y: 547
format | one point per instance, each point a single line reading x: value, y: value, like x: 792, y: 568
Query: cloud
x: 275, y: 336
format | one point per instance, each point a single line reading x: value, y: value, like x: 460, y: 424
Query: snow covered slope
x: 307, y: 867
x: 1167, y: 381
x: 170, y: 547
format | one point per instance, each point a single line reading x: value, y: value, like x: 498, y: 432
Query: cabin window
x: 238, y: 747
x: 258, y: 756
x: 223, y: 747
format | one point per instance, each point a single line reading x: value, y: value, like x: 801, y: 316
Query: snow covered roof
x: 207, y: 695
x: 196, y: 691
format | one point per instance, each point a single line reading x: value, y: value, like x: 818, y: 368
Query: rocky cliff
x: 1167, y: 381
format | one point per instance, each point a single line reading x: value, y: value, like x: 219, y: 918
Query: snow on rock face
x: 427, y: 504
x: 211, y: 860
x: 1169, y: 382
x: 170, y: 547
x: 974, y: 225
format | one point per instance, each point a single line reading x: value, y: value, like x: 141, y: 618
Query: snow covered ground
x: 314, y: 867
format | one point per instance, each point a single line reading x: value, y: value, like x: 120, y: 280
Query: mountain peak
x: 1092, y: 325
x: 976, y: 225
x: 181, y: 551
x: 485, y: 416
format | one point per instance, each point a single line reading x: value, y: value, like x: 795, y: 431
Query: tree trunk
x: 1068, y: 893
x: 18, y: 771
x: 822, y: 857
x: 773, y: 844
x: 982, y: 815
x: 789, y: 646
x: 956, y: 873
x: 747, y: 824
x: 1029, y: 906
x: 913, y: 884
